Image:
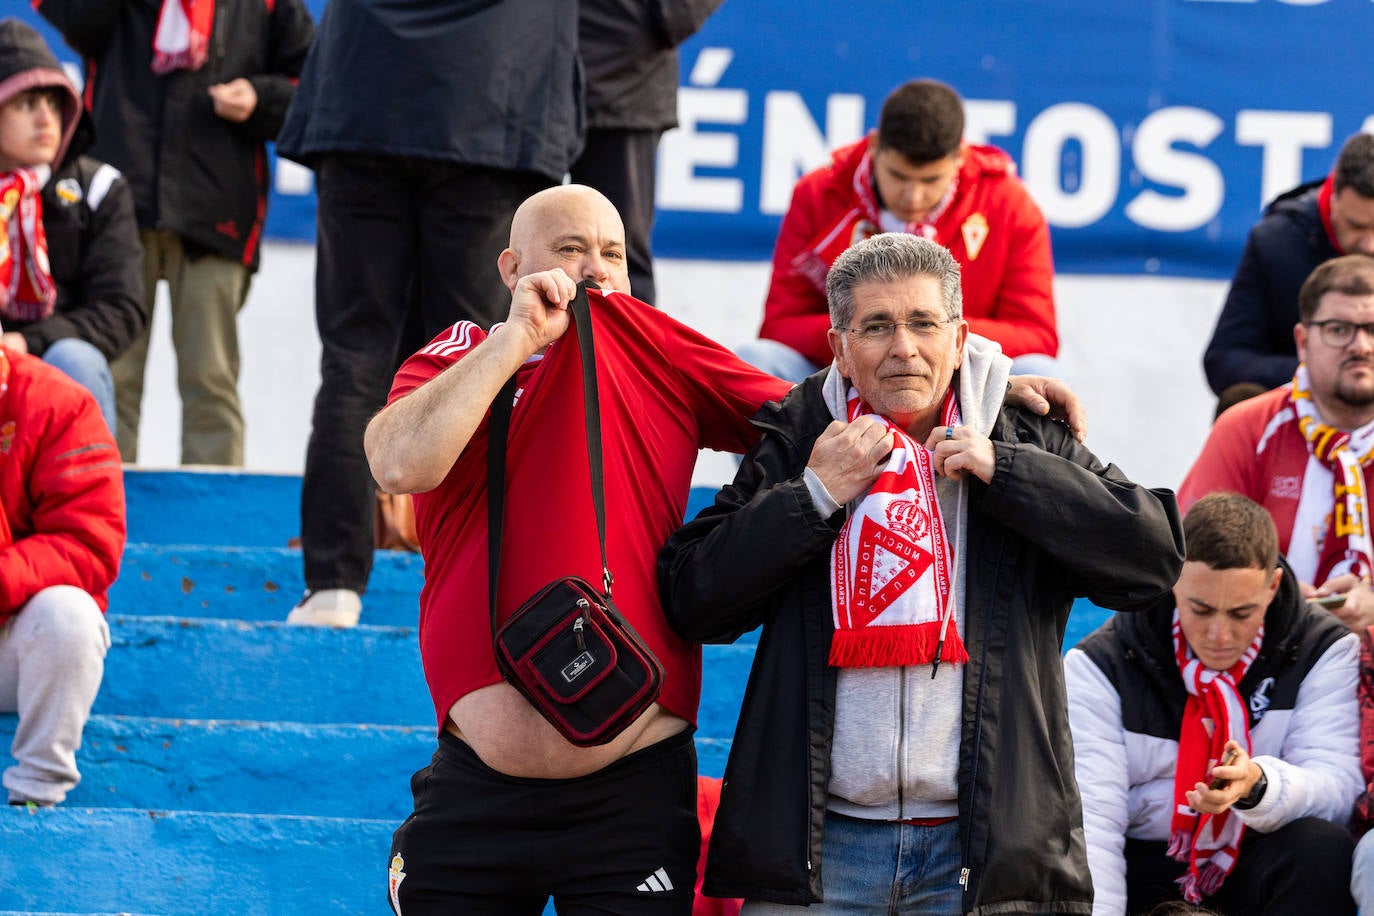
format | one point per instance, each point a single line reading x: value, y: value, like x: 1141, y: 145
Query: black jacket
x: 1253, y: 339
x: 96, y: 261
x: 478, y: 82
x: 629, y: 50
x: 192, y: 172
x: 1053, y: 524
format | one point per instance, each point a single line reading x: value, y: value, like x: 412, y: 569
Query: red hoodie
x: 991, y: 226
x: 61, y: 486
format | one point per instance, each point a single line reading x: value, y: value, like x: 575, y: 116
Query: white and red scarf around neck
x: 891, y: 569
x: 27, y: 290
x: 861, y: 222
x: 1346, y: 546
x: 182, y: 39
x: 1214, y: 714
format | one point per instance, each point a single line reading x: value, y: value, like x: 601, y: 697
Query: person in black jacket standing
x: 92, y: 240
x: 427, y: 123
x: 1252, y: 348
x: 912, y: 548
x: 187, y: 124
x: 629, y: 48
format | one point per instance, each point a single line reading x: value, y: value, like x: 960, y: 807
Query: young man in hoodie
x: 912, y: 547
x: 1216, y: 733
x: 83, y: 301
x: 914, y: 174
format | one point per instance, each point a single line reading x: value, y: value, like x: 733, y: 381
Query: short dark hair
x: 1352, y: 274
x: 1230, y: 531
x: 1355, y: 166
x: 922, y: 120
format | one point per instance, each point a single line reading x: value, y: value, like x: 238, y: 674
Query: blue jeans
x: 878, y: 867
x: 89, y: 368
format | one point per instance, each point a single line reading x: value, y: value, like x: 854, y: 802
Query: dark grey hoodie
x: 26, y: 63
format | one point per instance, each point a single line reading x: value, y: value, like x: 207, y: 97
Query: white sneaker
x: 330, y: 607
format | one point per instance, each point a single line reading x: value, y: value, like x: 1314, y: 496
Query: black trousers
x: 620, y: 164
x: 622, y: 841
x: 1301, y: 869
x: 405, y: 248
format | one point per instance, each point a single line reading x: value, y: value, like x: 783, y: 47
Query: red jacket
x: 61, y: 486
x: 1007, y: 279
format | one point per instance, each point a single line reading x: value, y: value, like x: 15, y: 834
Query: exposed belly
x: 511, y: 737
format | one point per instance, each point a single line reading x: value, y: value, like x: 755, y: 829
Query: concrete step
x: 179, y: 668
x: 260, y: 767
x: 251, y: 583
x: 234, y: 508
x: 108, y: 860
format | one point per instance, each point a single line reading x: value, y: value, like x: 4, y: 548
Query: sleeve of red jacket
x: 795, y: 312
x: 1024, y: 319
x: 76, y: 485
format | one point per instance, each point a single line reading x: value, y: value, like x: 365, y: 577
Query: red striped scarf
x: 1214, y: 714
x: 891, y: 569
x: 182, y: 40
x: 27, y: 290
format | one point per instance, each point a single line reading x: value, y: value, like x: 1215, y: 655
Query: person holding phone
x: 1216, y: 734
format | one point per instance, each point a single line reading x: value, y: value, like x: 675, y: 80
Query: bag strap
x: 496, y: 451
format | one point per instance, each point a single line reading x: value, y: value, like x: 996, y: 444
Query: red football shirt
x: 666, y: 391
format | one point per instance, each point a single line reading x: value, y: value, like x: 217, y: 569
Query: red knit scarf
x: 891, y: 570
x: 27, y: 291
x: 861, y: 222
x: 182, y: 39
x: 1346, y: 546
x: 1213, y: 715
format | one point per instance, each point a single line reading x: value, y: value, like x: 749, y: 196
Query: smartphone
x: 1329, y: 601
x: 1230, y: 758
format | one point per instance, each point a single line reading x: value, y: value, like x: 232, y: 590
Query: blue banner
x: 1151, y: 132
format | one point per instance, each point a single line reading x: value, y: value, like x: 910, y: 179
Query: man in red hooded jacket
x: 914, y: 174
x: 61, y: 535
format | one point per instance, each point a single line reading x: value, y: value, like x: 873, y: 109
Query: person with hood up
x: 83, y: 305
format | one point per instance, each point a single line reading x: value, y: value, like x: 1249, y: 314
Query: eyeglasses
x: 880, y: 331
x: 1337, y: 332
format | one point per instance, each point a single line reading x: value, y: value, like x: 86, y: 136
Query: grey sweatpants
x: 52, y: 656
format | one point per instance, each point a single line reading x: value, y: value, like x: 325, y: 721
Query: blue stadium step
x: 261, y: 767
x: 86, y: 860
x: 251, y: 583
x: 178, y: 668
x: 230, y: 508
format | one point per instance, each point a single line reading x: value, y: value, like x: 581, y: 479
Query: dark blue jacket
x: 477, y: 82
x: 1253, y: 340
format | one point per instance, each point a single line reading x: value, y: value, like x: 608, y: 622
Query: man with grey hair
x: 911, y: 547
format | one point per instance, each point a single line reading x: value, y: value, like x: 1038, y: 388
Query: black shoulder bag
x: 568, y: 650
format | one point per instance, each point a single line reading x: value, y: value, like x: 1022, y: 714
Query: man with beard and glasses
x: 1303, y: 450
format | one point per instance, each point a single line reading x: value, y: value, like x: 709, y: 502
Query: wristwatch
x: 1256, y: 792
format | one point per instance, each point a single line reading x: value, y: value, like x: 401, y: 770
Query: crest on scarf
x: 890, y: 560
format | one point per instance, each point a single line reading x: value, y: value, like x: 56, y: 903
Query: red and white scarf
x: 1214, y: 714
x: 861, y: 222
x: 1346, y: 546
x: 182, y: 39
x: 27, y: 290
x: 891, y: 569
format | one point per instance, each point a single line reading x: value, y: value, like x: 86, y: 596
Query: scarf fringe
x: 890, y: 647
x: 1180, y: 845
x: 1207, y: 881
